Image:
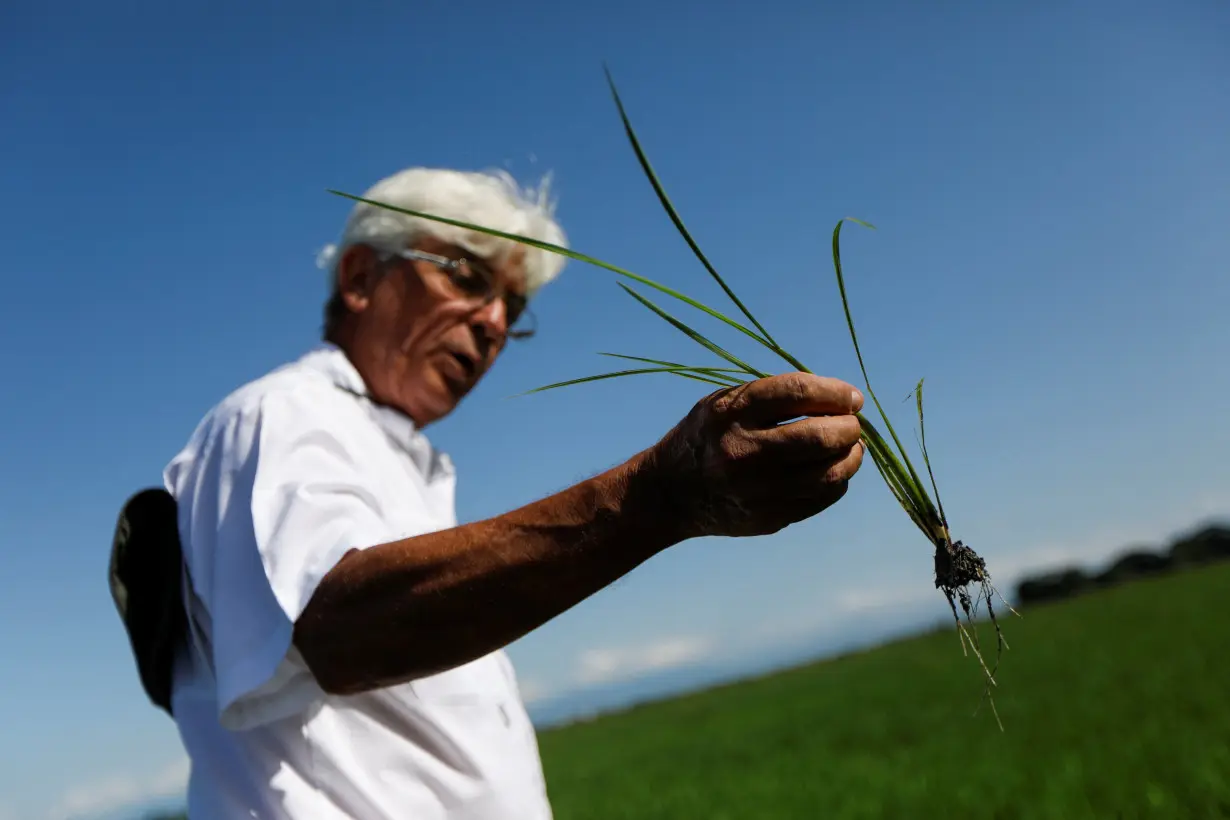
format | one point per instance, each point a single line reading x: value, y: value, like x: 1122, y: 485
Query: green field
x: 1115, y: 705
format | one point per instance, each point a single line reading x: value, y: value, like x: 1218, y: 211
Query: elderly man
x: 346, y: 654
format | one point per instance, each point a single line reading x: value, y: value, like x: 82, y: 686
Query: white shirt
x: 276, y: 484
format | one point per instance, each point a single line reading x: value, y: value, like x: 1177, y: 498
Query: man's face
x: 419, y: 341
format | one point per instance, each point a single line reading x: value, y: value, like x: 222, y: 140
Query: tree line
x: 1202, y: 547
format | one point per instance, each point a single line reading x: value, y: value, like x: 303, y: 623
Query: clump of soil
x: 961, y: 574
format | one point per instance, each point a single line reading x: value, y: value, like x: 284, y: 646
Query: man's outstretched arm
x: 736, y: 465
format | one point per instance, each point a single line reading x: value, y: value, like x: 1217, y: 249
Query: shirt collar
x: 332, y: 362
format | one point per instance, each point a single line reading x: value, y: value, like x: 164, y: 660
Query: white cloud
x: 120, y: 791
x: 608, y: 665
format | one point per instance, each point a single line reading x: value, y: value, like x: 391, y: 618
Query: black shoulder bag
x: 146, y: 585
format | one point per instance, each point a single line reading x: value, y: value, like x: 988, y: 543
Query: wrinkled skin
x: 743, y: 462
x: 419, y: 346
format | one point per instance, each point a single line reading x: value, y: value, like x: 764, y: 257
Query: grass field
x: 1115, y: 705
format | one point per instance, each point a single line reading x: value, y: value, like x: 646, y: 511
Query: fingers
x: 763, y: 455
x: 781, y: 512
x: 808, y: 485
x: 812, y: 479
x: 774, y: 399
x: 808, y: 439
x: 811, y: 491
x: 801, y: 480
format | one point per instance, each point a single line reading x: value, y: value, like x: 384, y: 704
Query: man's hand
x: 753, y: 459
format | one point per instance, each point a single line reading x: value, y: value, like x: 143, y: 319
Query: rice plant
x: 960, y: 573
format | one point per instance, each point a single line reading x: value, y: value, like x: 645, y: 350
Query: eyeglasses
x: 476, y: 281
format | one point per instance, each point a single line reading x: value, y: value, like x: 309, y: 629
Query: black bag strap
x: 146, y: 578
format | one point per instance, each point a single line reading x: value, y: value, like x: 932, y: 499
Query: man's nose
x: 492, y: 318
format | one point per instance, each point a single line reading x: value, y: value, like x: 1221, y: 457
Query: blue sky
x: 1051, y: 189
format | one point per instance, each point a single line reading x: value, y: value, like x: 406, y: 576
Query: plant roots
x: 961, y: 574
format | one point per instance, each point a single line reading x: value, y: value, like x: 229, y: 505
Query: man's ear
x: 357, y: 273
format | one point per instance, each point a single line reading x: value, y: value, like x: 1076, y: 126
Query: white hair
x: 491, y: 199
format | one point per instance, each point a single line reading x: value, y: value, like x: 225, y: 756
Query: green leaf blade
x: 715, y: 372
x: 695, y: 335
x: 615, y: 375
x: 897, y: 476
x: 927, y: 506
x: 922, y: 432
x: 669, y: 207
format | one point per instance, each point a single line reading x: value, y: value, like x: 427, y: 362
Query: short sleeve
x: 275, y: 498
